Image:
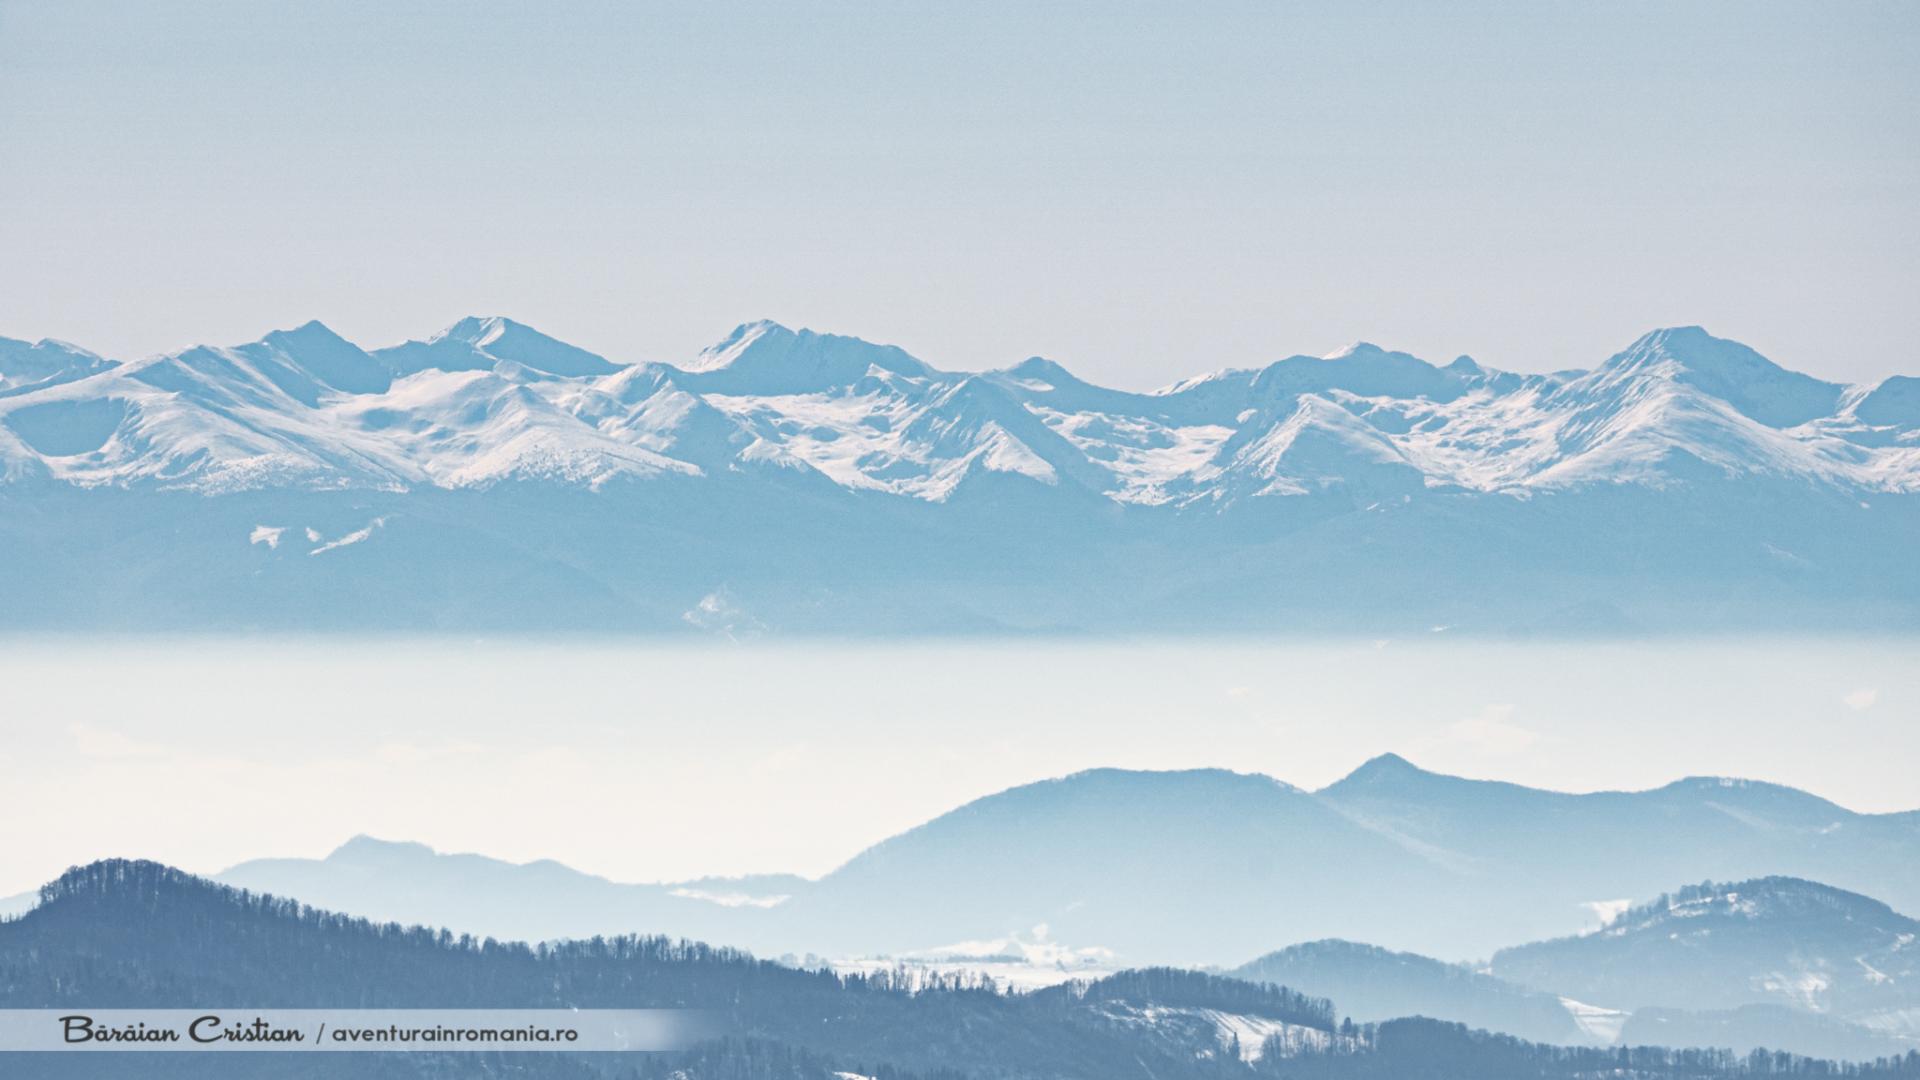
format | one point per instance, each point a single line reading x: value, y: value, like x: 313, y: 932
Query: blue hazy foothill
x: 1777, y: 963
x: 1396, y: 891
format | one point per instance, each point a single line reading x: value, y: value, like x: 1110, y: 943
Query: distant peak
x: 1693, y: 347
x: 1382, y: 770
x: 1358, y: 348
x: 319, y: 354
x: 364, y: 848
x: 313, y: 330
x: 477, y: 341
x: 1736, y: 374
x: 760, y: 326
x: 1681, y: 333
x: 1202, y: 775
x: 765, y: 357
x: 476, y: 328
x: 1041, y: 368
x: 724, y: 352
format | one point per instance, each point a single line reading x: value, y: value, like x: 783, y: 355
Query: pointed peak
x: 1383, y: 770
x: 739, y: 340
x: 313, y: 353
x: 484, y: 331
x: 309, y: 333
x: 1728, y: 370
x: 475, y: 329
x: 478, y: 342
x: 1465, y: 365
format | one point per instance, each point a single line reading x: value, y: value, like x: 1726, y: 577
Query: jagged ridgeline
x: 494, y: 477
x: 140, y: 934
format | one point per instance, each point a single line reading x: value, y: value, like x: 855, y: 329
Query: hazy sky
x: 1142, y: 191
x: 646, y: 762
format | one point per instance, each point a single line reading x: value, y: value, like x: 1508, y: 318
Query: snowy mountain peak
x: 738, y: 341
x: 1755, y: 386
x: 766, y: 358
x: 1357, y: 348
x: 482, y: 342
x: 314, y: 332
x: 1041, y: 370
x: 28, y: 366
x: 303, y: 364
x: 312, y: 338
x: 1364, y: 370
x: 477, y: 330
x: 330, y: 358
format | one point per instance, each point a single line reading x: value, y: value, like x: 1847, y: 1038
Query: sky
x: 646, y: 762
x: 1142, y: 191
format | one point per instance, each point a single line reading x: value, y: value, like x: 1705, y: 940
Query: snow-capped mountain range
x: 490, y: 399
x: 492, y: 477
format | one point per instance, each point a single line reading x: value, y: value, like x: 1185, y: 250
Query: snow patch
x: 731, y: 899
x: 354, y: 537
x: 719, y: 613
x: 1254, y: 1036
x: 1606, y: 911
x: 1807, y: 989
x: 1599, y: 1024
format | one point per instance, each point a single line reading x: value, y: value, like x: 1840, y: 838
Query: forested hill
x: 128, y: 934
